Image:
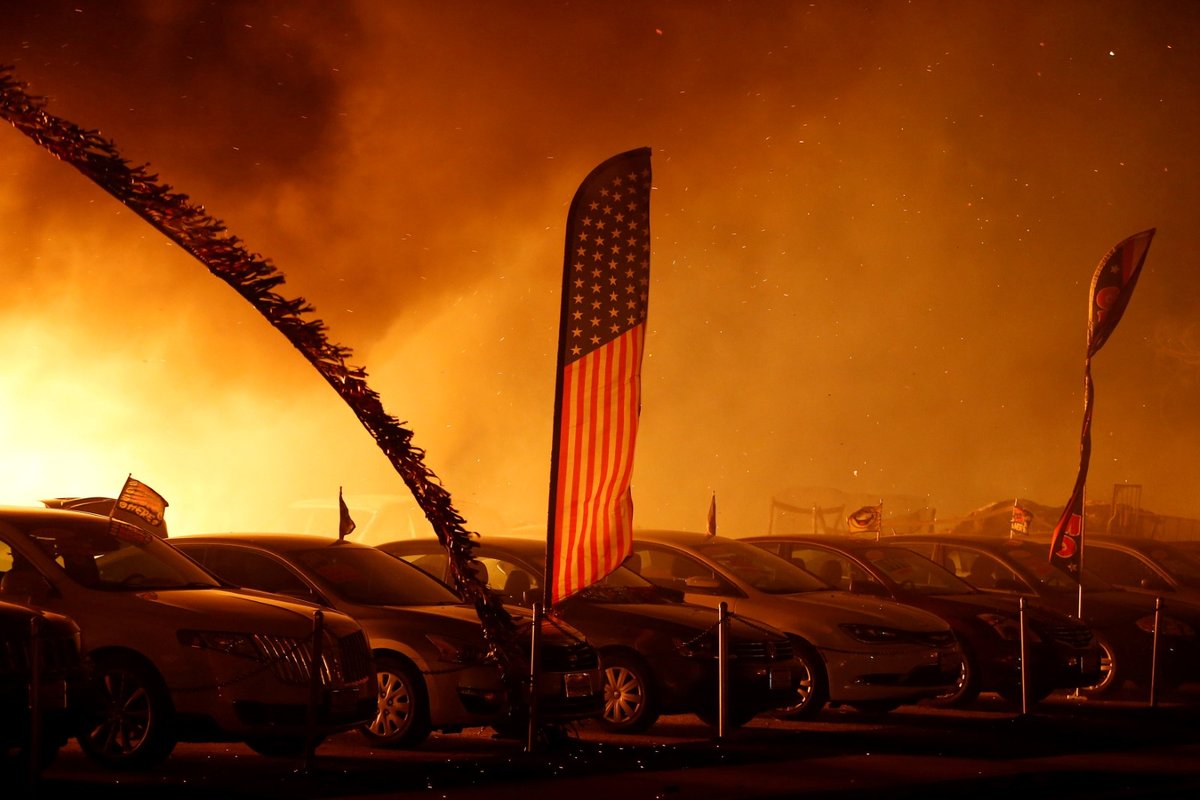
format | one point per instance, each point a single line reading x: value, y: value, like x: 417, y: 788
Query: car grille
x: 1071, y: 635
x: 343, y: 661
x: 569, y: 657
x: 762, y: 651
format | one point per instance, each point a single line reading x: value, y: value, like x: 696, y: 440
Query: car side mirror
x: 868, y: 588
x: 699, y: 583
x: 674, y: 595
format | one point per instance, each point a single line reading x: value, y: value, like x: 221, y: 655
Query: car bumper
x: 894, y: 674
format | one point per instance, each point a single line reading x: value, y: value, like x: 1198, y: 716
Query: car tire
x: 1110, y: 673
x: 812, y: 687
x: 735, y: 717
x: 630, y: 702
x: 131, y: 724
x: 402, y: 717
x: 966, y: 690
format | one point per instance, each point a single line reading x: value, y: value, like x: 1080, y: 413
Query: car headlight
x: 1008, y: 628
x: 1167, y: 626
x: 454, y: 651
x: 702, y: 646
x: 228, y: 642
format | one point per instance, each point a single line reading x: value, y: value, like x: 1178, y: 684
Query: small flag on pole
x: 346, y: 525
x: 602, y: 329
x: 1021, y: 519
x: 1112, y: 286
x: 866, y: 519
x: 710, y: 524
x: 141, y: 506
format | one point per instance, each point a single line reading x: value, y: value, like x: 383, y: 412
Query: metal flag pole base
x: 722, y: 668
x: 314, y: 693
x: 1158, y: 603
x: 535, y: 641
x: 1024, y: 664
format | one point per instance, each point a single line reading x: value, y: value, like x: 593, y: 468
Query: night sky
x: 874, y: 226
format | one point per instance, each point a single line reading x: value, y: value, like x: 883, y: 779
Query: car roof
x: 40, y: 515
x: 277, y: 542
x: 836, y: 540
x: 677, y: 537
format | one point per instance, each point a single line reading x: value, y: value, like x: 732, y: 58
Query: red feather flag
x: 1112, y: 286
x: 606, y: 279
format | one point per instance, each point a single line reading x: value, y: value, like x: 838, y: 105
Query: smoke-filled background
x: 874, y: 228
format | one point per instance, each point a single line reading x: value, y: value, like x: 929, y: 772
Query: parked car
x: 1122, y: 621
x: 870, y: 653
x: 1061, y: 652
x: 657, y: 652
x: 176, y: 656
x: 1145, y: 565
x: 37, y: 649
x: 431, y: 657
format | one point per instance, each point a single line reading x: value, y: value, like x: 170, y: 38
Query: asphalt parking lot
x: 1065, y: 748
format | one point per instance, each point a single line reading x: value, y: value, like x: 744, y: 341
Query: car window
x: 983, y: 570
x: 118, y: 557
x: 253, y: 570
x: 1121, y: 568
x: 433, y: 563
x: 915, y: 573
x: 833, y: 568
x: 372, y: 577
x: 768, y: 573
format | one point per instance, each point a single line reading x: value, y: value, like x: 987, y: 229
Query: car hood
x: 844, y: 607
x: 221, y: 609
x: 622, y: 621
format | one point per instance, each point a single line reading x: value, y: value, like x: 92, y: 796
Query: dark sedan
x: 1061, y: 652
x: 1123, y: 621
x: 1145, y: 565
x: 431, y: 656
x: 658, y: 654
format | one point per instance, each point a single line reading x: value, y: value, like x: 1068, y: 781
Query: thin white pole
x: 722, y: 667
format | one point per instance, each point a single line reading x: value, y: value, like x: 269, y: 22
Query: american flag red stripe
x: 606, y: 278
x: 594, y: 505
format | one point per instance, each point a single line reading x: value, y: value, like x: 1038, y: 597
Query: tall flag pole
x: 1112, y: 286
x: 597, y: 399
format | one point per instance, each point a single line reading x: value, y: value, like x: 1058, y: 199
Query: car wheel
x: 1110, y: 673
x: 402, y: 717
x: 966, y: 689
x: 629, y: 702
x: 281, y: 746
x: 131, y: 724
x: 812, y: 687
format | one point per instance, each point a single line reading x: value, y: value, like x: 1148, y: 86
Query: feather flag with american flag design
x: 606, y: 280
x: 1112, y: 286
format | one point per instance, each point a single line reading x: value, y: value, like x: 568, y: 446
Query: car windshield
x: 372, y: 577
x: 1183, y: 567
x: 623, y: 585
x: 119, y: 557
x: 764, y: 571
x: 1035, y: 564
x: 914, y: 573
